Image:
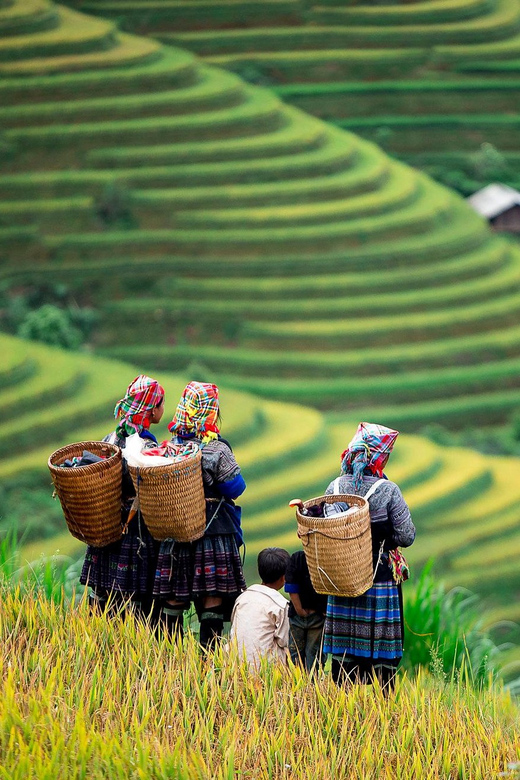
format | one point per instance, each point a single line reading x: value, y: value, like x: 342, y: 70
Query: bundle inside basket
x: 171, y: 498
x: 338, y: 548
x: 90, y: 495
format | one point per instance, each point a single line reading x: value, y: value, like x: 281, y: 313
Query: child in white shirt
x: 260, y: 618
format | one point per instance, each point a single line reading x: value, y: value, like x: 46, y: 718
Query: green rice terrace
x: 208, y: 221
x: 462, y: 502
x: 432, y: 80
x: 194, y: 187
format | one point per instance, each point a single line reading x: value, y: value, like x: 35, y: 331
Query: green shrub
x: 52, y: 326
x: 113, y: 207
x: 444, y: 632
x: 489, y: 164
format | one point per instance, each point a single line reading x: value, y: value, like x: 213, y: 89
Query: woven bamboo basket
x: 90, y: 496
x: 338, y: 549
x: 171, y: 499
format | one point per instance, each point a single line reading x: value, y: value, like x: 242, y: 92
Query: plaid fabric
x: 141, y: 397
x: 126, y: 567
x: 211, y: 566
x: 197, y: 412
x: 370, y: 448
x: 368, y: 626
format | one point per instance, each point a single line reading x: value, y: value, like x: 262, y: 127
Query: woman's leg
x: 211, y: 621
x: 386, y: 674
x: 172, y: 617
x: 97, y: 600
x: 147, y: 608
x: 347, y: 671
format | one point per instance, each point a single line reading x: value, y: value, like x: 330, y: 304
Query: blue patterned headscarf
x: 370, y: 448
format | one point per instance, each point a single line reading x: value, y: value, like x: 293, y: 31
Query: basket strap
x: 379, y: 558
x: 370, y: 492
x: 214, y: 513
x: 373, y: 488
x: 139, y: 516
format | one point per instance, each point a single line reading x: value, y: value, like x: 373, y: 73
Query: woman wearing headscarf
x: 124, y: 571
x: 208, y: 571
x: 365, y: 634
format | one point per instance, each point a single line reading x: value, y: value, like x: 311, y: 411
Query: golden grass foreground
x: 87, y: 697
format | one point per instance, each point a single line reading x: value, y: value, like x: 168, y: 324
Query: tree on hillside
x: 51, y: 325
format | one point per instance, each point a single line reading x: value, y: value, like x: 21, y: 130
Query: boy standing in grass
x: 306, y: 614
x: 260, y: 618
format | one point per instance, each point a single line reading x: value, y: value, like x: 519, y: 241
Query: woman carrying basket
x: 365, y: 633
x: 124, y: 571
x: 207, y: 571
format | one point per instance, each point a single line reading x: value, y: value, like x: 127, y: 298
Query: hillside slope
x: 465, y: 505
x: 436, y: 76
x: 209, y: 221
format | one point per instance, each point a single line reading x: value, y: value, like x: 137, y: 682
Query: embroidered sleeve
x: 219, y: 464
x: 399, y: 514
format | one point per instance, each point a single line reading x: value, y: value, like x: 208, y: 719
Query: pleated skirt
x: 367, y: 627
x: 126, y: 567
x: 210, y: 566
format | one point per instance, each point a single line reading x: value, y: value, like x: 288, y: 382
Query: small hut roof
x: 494, y: 200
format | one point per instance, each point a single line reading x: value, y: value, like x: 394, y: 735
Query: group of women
x: 160, y: 580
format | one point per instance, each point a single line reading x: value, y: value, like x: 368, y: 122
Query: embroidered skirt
x: 127, y: 567
x: 367, y: 627
x: 210, y: 566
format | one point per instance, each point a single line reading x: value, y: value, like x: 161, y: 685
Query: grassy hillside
x: 465, y: 505
x: 67, y: 711
x: 433, y: 76
x: 208, y: 221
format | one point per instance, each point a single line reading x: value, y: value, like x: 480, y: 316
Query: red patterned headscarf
x: 197, y: 412
x: 370, y: 448
x: 135, y: 409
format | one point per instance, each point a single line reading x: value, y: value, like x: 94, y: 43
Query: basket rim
x: 332, y: 498
x: 332, y: 521
x: 197, y: 456
x: 82, y: 445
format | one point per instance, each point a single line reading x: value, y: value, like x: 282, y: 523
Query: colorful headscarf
x: 141, y: 397
x: 197, y: 412
x: 370, y: 448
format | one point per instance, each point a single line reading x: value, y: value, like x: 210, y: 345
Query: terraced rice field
x: 436, y: 75
x: 290, y: 258
x: 462, y: 502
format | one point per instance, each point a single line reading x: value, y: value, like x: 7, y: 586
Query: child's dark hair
x: 272, y: 564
